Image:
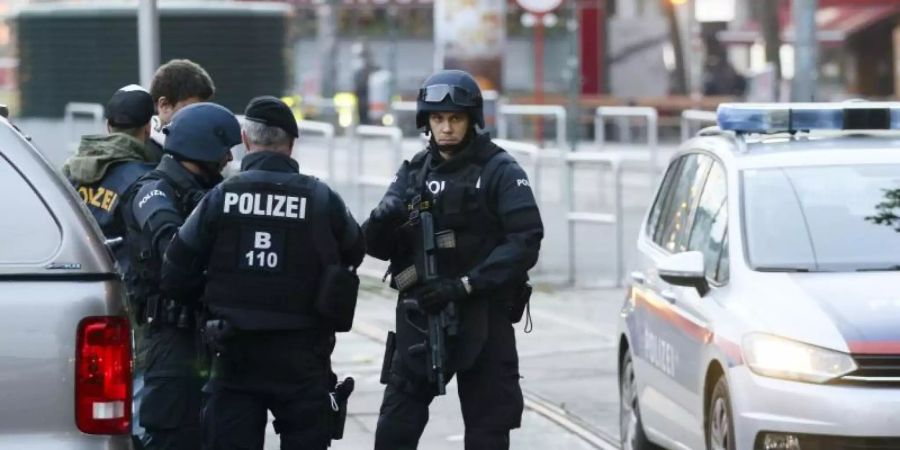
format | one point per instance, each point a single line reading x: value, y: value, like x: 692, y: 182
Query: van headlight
x: 777, y: 357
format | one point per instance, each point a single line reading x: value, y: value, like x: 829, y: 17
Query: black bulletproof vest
x: 466, y: 232
x: 265, y: 266
x: 103, y: 197
x: 467, y: 229
x: 142, y: 277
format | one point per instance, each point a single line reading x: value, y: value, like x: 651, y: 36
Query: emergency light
x: 793, y: 117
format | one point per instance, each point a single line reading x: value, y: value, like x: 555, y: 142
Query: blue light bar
x: 792, y: 117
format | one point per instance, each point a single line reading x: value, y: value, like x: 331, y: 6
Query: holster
x: 388, y: 361
x: 336, y: 299
x: 217, y: 332
x: 519, y: 302
x: 152, y: 310
x: 339, y: 399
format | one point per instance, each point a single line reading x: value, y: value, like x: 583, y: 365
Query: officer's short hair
x: 265, y: 136
x: 181, y: 79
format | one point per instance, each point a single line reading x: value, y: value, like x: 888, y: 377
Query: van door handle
x: 669, y: 296
x: 638, y: 277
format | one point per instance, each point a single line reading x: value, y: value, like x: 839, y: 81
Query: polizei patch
x: 265, y: 205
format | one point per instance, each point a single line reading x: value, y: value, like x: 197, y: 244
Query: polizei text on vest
x: 267, y: 205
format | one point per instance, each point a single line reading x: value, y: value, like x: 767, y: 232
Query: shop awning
x: 835, y: 24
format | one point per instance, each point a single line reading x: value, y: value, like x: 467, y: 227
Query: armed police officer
x: 105, y: 166
x: 278, y: 249
x: 461, y: 228
x: 197, y: 148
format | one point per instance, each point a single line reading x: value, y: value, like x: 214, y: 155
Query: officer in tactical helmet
x: 105, y: 166
x: 279, y: 251
x: 198, y: 146
x: 486, y: 235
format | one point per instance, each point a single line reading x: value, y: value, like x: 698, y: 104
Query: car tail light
x: 103, y: 376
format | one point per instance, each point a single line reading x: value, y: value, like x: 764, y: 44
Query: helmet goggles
x: 436, y: 93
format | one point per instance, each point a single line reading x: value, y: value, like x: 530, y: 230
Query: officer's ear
x: 244, y: 139
x: 144, y: 133
x: 164, y: 108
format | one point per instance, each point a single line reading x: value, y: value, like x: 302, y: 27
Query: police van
x: 65, y: 340
x: 764, y: 313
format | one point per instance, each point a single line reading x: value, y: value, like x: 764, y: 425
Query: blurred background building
x: 672, y: 54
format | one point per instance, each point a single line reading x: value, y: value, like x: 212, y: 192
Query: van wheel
x: 719, y: 421
x: 631, y: 430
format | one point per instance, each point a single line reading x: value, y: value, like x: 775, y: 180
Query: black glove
x: 391, y: 212
x: 435, y: 296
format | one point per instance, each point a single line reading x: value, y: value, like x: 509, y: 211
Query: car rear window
x: 29, y: 233
x: 824, y: 218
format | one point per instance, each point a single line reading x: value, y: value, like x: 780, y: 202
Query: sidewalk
x: 568, y: 360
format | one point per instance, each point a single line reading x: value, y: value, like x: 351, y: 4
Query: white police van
x: 765, y: 310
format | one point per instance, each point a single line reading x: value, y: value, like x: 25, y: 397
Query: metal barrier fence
x: 95, y: 110
x: 616, y: 218
x: 647, y: 113
x: 326, y: 130
x: 554, y: 111
x: 691, y: 117
x: 360, y: 178
x: 403, y: 106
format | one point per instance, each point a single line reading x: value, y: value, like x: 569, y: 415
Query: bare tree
x: 679, y: 83
x: 771, y: 29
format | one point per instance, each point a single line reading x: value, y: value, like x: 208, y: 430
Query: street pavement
x: 568, y: 363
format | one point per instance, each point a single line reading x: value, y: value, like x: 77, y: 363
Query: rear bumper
x: 64, y: 441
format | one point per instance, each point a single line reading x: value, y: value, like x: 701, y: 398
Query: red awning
x: 834, y: 23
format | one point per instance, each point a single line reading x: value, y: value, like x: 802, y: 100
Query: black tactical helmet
x: 202, y: 132
x: 450, y: 91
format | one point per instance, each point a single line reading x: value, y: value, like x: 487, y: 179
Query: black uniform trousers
x: 489, y: 394
x: 287, y: 373
x: 172, y: 398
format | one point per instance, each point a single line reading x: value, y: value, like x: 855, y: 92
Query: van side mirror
x: 685, y: 269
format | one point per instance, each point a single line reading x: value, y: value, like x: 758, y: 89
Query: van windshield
x: 825, y: 218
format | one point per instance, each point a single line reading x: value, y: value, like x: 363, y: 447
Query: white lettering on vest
x: 262, y: 240
x: 231, y: 199
x: 292, y: 206
x: 436, y: 186
x: 278, y: 211
x: 266, y: 205
x: 246, y: 203
x: 257, y: 206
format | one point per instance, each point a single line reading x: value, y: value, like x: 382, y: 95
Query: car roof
x: 801, y: 150
x: 82, y: 250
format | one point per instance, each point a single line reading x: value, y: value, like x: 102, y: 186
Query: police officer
x: 275, y: 246
x: 488, y: 232
x: 105, y: 166
x: 176, y: 84
x: 197, y: 148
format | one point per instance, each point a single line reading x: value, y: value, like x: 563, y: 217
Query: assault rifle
x: 442, y: 324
